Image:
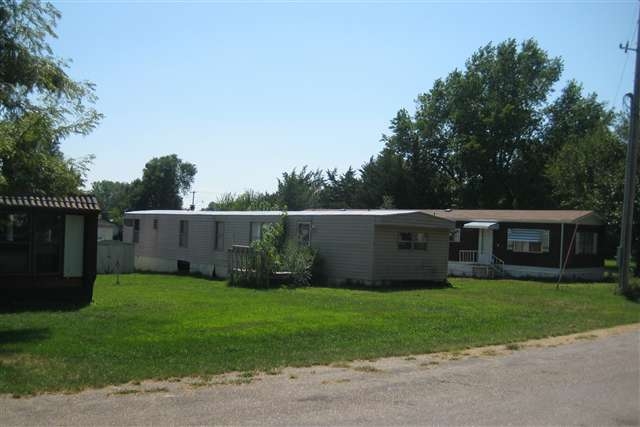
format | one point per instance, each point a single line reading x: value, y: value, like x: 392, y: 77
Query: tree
x: 40, y: 104
x: 249, y: 200
x: 114, y: 199
x: 588, y: 173
x: 164, y: 181
x: 480, y: 126
x: 300, y: 190
x: 341, y: 191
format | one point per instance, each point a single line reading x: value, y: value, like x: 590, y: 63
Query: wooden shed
x: 48, y: 246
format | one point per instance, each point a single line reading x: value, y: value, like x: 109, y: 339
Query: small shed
x: 48, y: 246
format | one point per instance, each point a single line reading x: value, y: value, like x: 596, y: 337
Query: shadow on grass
x: 18, y: 336
x: 356, y: 286
x: 20, y: 305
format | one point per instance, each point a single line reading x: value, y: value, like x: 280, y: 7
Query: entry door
x: 485, y: 246
x: 73, y: 245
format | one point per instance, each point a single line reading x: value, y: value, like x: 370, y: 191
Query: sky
x: 248, y: 90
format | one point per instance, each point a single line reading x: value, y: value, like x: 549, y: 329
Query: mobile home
x: 526, y: 243
x: 364, y: 246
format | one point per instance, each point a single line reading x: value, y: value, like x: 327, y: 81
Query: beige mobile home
x: 364, y: 246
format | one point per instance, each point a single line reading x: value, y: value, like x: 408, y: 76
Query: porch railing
x: 468, y: 256
x: 497, y: 263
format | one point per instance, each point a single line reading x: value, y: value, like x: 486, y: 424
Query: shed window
x: 415, y: 241
x: 136, y: 230
x: 14, y: 243
x: 527, y: 240
x: 219, y: 242
x: 455, y: 234
x: 48, y: 237
x: 304, y: 233
x: 183, y: 236
x: 586, y: 243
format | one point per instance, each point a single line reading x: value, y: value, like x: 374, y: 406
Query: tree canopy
x: 40, y: 104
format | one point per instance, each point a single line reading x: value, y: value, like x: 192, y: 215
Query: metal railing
x: 468, y: 256
x: 497, y: 263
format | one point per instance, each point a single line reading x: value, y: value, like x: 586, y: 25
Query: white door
x: 73, y: 245
x: 485, y: 246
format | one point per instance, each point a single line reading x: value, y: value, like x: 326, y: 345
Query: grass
x: 161, y: 327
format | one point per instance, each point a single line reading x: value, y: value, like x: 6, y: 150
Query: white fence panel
x: 115, y: 256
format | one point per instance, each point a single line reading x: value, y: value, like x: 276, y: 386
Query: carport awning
x: 484, y: 225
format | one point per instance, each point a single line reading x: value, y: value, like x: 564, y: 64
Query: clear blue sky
x: 247, y: 91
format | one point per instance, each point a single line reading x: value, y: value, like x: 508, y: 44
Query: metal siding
x: 344, y: 244
x: 393, y: 264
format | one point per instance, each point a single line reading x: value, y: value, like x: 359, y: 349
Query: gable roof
x: 519, y: 215
x: 87, y: 203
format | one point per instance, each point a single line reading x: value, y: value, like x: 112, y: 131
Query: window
x: 155, y: 223
x: 14, y: 242
x: 586, y: 243
x: 256, y: 229
x: 136, y: 230
x: 527, y: 240
x: 183, y: 237
x: 48, y: 231
x: 415, y: 241
x: 304, y: 233
x: 454, y: 235
x: 420, y: 241
x: 219, y: 242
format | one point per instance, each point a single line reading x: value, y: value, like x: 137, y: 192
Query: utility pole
x: 193, y: 201
x: 624, y: 250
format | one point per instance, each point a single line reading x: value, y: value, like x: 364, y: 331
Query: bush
x: 299, y: 261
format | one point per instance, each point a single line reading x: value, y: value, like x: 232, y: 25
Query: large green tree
x: 40, y: 105
x: 298, y: 190
x: 164, y: 181
x: 114, y: 198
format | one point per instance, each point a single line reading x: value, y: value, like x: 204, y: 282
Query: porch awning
x: 484, y: 225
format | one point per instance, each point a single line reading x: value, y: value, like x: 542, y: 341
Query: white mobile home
x: 364, y: 246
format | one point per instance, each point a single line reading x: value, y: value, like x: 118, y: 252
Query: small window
x: 586, y: 243
x: 404, y: 240
x: 136, y: 230
x: 14, y: 243
x: 420, y: 242
x: 219, y: 242
x: 155, y: 223
x: 304, y: 233
x: 183, y: 237
x: 256, y: 229
x: 454, y: 235
x: 416, y: 241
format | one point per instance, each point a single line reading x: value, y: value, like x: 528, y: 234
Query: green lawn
x: 156, y: 326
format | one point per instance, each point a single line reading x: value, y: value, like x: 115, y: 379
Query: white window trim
x: 413, y: 241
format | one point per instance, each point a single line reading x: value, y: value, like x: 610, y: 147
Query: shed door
x: 73, y: 245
